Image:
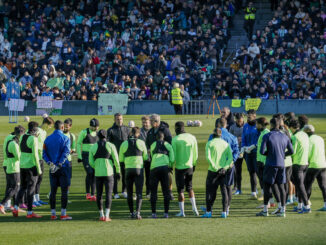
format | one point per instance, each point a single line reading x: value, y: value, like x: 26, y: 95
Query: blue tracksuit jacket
x: 56, y: 148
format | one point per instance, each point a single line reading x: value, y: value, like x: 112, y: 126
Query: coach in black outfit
x: 116, y: 135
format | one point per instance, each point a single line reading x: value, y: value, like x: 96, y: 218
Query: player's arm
x: 167, y: 135
x: 4, y: 150
x: 81, y: 137
x: 289, y: 148
x: 229, y: 157
x: 14, y: 149
x: 65, y: 150
x: 45, y: 155
x: 142, y: 146
x: 35, y: 155
x: 152, y: 148
x: 115, y: 157
x: 235, y: 149
x: 263, y: 146
x: 73, y: 145
x: 171, y: 154
x: 123, y: 149
x: 174, y: 147
x: 195, y: 152
x: 209, y: 157
x: 110, y: 135
x: 91, y: 155
x: 294, y: 144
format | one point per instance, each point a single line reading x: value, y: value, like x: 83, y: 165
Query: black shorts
x: 288, y: 171
x: 183, y: 177
x: 60, y: 178
x: 274, y: 175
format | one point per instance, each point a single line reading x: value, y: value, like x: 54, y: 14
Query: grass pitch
x: 241, y: 227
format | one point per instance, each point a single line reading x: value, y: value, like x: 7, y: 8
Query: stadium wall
x: 194, y: 107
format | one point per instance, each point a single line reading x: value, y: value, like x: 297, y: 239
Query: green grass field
x: 241, y: 227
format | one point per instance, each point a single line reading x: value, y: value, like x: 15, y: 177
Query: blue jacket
x: 274, y: 146
x: 250, y: 136
x: 56, y: 148
x: 231, y: 140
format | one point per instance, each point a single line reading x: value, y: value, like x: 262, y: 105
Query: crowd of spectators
x: 76, y: 49
x: 285, y: 60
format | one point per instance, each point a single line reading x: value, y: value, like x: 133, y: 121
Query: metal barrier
x: 193, y: 107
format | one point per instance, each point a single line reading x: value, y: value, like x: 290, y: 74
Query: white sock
x: 101, y: 213
x: 63, y: 212
x: 37, y: 197
x: 291, y: 198
x: 34, y: 199
x: 53, y: 212
x: 279, y: 205
x: 29, y: 212
x: 182, y: 207
x: 307, y: 206
x: 265, y: 208
x: 253, y: 193
x: 193, y: 203
x: 324, y: 204
x: 9, y: 203
x: 283, y: 209
x: 107, y: 212
x: 300, y: 205
x: 228, y: 209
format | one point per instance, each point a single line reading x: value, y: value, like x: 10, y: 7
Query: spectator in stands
x: 106, y: 46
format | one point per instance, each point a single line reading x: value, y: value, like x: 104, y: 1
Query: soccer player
x: 117, y: 134
x: 185, y: 150
x: 5, y: 162
x: 249, y: 140
x: 147, y: 164
x: 158, y: 125
x: 275, y: 146
x: 261, y: 125
x: 56, y: 150
x: 47, y: 124
x: 72, y: 137
x: 102, y: 156
x: 232, y: 141
x: 12, y: 154
x: 300, y: 141
x: 317, y: 163
x: 289, y: 187
x: 30, y: 168
x: 236, y: 130
x: 133, y: 153
x: 219, y: 157
x: 162, y: 159
x: 86, y: 139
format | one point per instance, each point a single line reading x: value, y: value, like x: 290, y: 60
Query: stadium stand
x: 73, y: 50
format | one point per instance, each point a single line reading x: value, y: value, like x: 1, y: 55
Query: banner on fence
x: 252, y: 104
x: 236, y: 103
x: 15, y: 104
x: 109, y: 104
x: 44, y: 102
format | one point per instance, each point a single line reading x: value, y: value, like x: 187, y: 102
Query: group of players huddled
x: 287, y: 158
